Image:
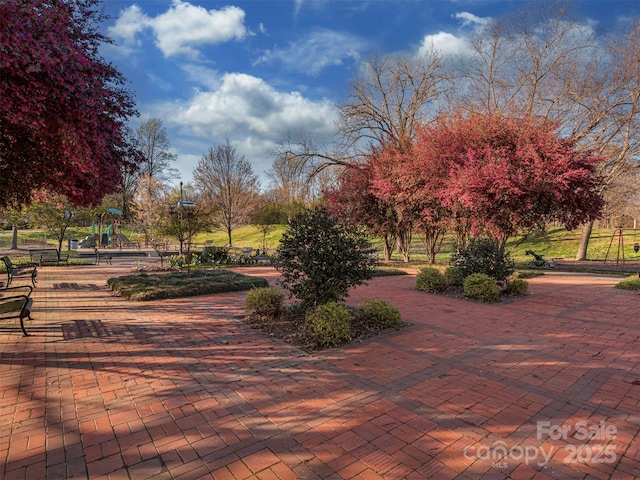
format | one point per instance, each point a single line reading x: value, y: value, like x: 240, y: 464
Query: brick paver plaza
x: 545, y: 386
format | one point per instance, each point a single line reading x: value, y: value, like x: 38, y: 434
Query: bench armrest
x: 24, y: 290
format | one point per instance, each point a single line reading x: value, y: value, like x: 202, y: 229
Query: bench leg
x: 24, y: 331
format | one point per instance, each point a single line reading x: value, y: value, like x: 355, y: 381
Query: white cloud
x: 320, y: 49
x: 202, y: 75
x: 244, y: 103
x: 444, y: 43
x: 471, y: 19
x: 251, y: 113
x: 185, y: 25
x: 182, y: 28
x: 131, y: 21
x: 448, y: 44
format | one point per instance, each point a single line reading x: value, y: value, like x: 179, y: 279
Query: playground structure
x: 619, y: 233
x: 107, y: 233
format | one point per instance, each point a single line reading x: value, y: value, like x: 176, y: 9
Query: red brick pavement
x: 106, y: 388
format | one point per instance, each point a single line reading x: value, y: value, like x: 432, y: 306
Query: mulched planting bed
x: 290, y: 327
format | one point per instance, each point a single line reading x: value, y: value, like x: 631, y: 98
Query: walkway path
x: 107, y: 388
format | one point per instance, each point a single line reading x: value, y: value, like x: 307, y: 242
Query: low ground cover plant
x: 182, y: 284
x: 630, y: 283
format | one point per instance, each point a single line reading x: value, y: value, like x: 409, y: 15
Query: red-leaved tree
x: 413, y: 188
x: 508, y: 175
x: 354, y: 201
x: 63, y: 107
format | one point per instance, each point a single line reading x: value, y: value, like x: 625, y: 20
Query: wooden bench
x: 15, y: 302
x: 22, y: 270
x: 47, y: 256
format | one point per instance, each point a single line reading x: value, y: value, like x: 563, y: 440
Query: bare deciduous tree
x: 228, y: 183
x: 154, y: 144
x: 290, y: 176
x: 394, y: 95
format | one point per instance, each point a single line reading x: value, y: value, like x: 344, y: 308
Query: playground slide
x: 124, y: 241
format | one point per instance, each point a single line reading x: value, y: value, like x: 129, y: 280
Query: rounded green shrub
x: 484, y: 255
x: 330, y: 324
x: 429, y: 279
x: 321, y: 257
x: 481, y: 287
x: 380, y: 313
x: 453, y: 276
x: 266, y: 301
x: 517, y: 287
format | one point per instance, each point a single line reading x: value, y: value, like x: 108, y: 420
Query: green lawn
x: 554, y: 243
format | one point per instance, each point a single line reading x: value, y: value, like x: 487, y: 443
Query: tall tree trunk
x: 389, y: 244
x: 403, y: 240
x: 584, y: 241
x: 14, y: 238
x: 229, y: 235
x: 433, y: 238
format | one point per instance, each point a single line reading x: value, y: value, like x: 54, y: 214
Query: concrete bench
x: 15, y: 302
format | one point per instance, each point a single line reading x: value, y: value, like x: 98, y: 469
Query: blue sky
x: 254, y: 70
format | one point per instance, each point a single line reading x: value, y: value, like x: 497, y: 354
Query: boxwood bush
x: 264, y: 301
x: 379, y: 314
x: 329, y: 324
x: 481, y: 287
x: 516, y: 287
x: 453, y: 276
x: 429, y: 279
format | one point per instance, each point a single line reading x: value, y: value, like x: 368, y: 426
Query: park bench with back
x: 15, y: 302
x: 47, y: 256
x: 20, y: 270
x: 106, y: 256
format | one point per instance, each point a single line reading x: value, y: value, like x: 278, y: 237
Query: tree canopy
x: 484, y: 174
x: 63, y: 107
x: 499, y: 175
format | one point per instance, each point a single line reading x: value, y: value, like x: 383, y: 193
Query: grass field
x: 554, y: 243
